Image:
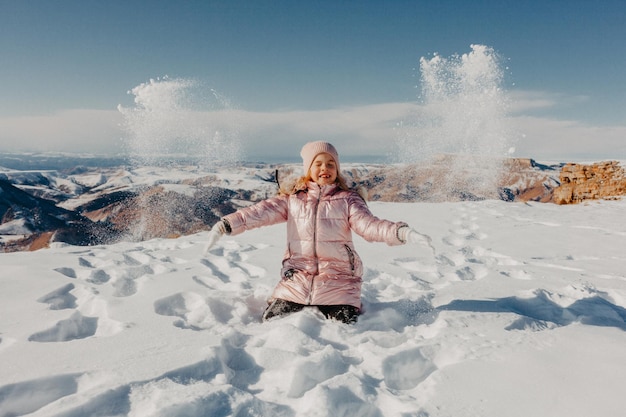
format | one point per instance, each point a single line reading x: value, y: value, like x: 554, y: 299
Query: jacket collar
x: 321, y: 190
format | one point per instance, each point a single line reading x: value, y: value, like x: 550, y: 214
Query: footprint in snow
x: 125, y: 281
x: 19, y: 399
x: 469, y: 273
x: 228, y: 271
x: 194, y: 311
x: 406, y: 370
x: 315, y: 369
x: 347, y: 403
x: 91, y: 261
x: 239, y: 367
x: 98, y: 277
x: 85, y: 263
x: 137, y: 257
x: 59, y: 299
x: 68, y: 272
x: 75, y: 327
x: 451, y: 259
x: 215, y: 270
x: 210, y: 281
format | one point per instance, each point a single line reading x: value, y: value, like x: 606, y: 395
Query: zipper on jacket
x: 317, y: 261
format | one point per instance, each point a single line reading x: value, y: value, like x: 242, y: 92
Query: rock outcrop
x: 523, y: 179
x: 579, y: 182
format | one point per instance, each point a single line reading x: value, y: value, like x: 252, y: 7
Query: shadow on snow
x: 540, y: 312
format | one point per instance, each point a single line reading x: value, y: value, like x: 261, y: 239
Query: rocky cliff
x: 579, y: 182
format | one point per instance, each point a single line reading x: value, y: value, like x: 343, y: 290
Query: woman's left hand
x: 409, y: 235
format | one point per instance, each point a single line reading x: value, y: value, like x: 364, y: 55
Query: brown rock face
x: 523, y: 179
x: 579, y: 182
x: 453, y: 178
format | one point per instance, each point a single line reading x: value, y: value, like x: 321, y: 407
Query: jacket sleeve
x: 370, y: 227
x: 265, y: 213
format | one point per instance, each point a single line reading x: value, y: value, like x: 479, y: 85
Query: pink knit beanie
x: 312, y: 149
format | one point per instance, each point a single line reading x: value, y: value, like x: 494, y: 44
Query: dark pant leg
x: 280, y: 307
x: 344, y: 313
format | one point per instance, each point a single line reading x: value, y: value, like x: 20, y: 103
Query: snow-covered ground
x: 520, y: 312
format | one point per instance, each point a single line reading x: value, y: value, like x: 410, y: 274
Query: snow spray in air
x: 461, y: 127
x: 179, y: 120
x: 176, y: 122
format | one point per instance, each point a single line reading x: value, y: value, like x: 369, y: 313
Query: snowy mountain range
x: 101, y: 202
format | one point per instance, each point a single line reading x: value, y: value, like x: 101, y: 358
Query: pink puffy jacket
x: 320, y: 266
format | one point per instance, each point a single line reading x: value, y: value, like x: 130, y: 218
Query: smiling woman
x: 321, y: 267
x: 324, y: 169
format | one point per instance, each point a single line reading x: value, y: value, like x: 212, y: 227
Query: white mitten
x: 217, y: 231
x: 417, y: 238
x: 408, y: 235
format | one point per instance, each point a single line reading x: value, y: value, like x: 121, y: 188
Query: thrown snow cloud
x: 175, y: 118
x: 464, y: 108
x: 464, y: 113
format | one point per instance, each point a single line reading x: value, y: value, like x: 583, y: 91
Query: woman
x: 321, y: 267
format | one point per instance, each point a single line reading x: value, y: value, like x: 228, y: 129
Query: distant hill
x: 85, y: 205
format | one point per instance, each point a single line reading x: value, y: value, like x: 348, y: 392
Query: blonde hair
x: 292, y: 184
x: 301, y: 183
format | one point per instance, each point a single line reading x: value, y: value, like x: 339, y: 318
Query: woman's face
x: 324, y: 169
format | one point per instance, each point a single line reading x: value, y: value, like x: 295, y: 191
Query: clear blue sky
x: 278, y: 56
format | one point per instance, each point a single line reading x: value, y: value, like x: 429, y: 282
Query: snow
x: 14, y: 227
x: 521, y: 311
x: 91, y: 180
